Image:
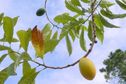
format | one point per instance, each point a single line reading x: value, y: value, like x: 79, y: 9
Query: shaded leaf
x: 2, y: 47
x: 106, y: 23
x: 5, y: 73
x: 121, y: 4
x: 82, y: 41
x: 25, y: 56
x: 29, y: 77
x: 1, y: 18
x: 110, y: 15
x: 72, y: 35
x: 2, y: 57
x: 13, y: 55
x: 90, y: 32
x: 106, y: 3
x: 85, y: 1
x: 68, y: 44
x: 99, y: 34
x: 26, y: 67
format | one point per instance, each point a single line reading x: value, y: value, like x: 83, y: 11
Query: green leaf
x: 25, y: 56
x: 109, y: 14
x: 121, y: 4
x: 75, y: 2
x: 1, y: 18
x: 73, y: 8
x: 90, y: 32
x: 5, y: 73
x: 99, y: 34
x: 8, y: 25
x: 64, y: 18
x: 13, y: 55
x: 26, y: 67
x: 2, y: 57
x: 15, y: 19
x: 63, y: 33
x: 5, y: 40
x: 106, y: 3
x: 69, y: 46
x: 24, y: 37
x: 124, y: 1
x: 82, y: 41
x: 29, y: 77
x: 46, y: 30
x: 106, y: 23
x: 72, y: 35
x: 2, y: 47
x: 54, y: 37
x: 85, y: 1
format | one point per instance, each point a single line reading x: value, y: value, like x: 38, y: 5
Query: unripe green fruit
x: 87, y: 68
x: 40, y: 12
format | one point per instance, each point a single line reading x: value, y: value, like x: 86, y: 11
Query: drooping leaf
x: 26, y: 67
x: 24, y: 37
x: 110, y: 15
x: 63, y: 33
x: 2, y: 57
x: 68, y: 44
x: 106, y: 23
x: 5, y: 73
x: 46, y: 30
x: 75, y: 2
x: 121, y: 4
x: 38, y: 42
x: 99, y: 34
x: 29, y: 77
x: 64, y: 18
x: 1, y: 18
x: 72, y: 35
x: 82, y: 41
x: 90, y: 31
x: 73, y: 8
x: 85, y: 1
x: 106, y: 3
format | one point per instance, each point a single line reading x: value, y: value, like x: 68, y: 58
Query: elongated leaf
x: 46, y: 30
x: 75, y: 2
x: 82, y: 41
x: 15, y: 19
x: 2, y: 47
x: 26, y: 67
x: 106, y: 23
x: 72, y: 35
x: 8, y: 25
x: 5, y: 40
x: 64, y: 18
x: 5, y: 73
x: 112, y: 16
x: 106, y: 3
x: 63, y: 33
x: 85, y: 1
x: 24, y: 37
x: 90, y: 32
x: 2, y: 57
x: 54, y: 37
x: 73, y: 8
x: 99, y: 34
x: 69, y: 46
x: 124, y: 1
x: 29, y: 77
x: 1, y: 18
x: 121, y: 4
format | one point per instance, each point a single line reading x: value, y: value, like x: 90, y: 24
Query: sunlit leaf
x: 25, y: 56
x: 13, y: 55
x: 2, y: 47
x: 106, y: 3
x: 99, y: 34
x: 85, y: 1
x: 38, y: 42
x: 75, y: 2
x: 68, y: 44
x: 26, y: 67
x: 90, y: 31
x: 72, y: 35
x: 73, y: 8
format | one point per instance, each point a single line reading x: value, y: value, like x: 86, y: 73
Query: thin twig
x: 89, y: 50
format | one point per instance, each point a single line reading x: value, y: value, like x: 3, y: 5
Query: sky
x: 26, y: 9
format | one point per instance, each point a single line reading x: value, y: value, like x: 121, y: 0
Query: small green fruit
x: 40, y: 12
x: 87, y: 68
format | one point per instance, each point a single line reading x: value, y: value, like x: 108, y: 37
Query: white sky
x: 114, y: 39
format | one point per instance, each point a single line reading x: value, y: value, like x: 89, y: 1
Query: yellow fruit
x: 87, y: 68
